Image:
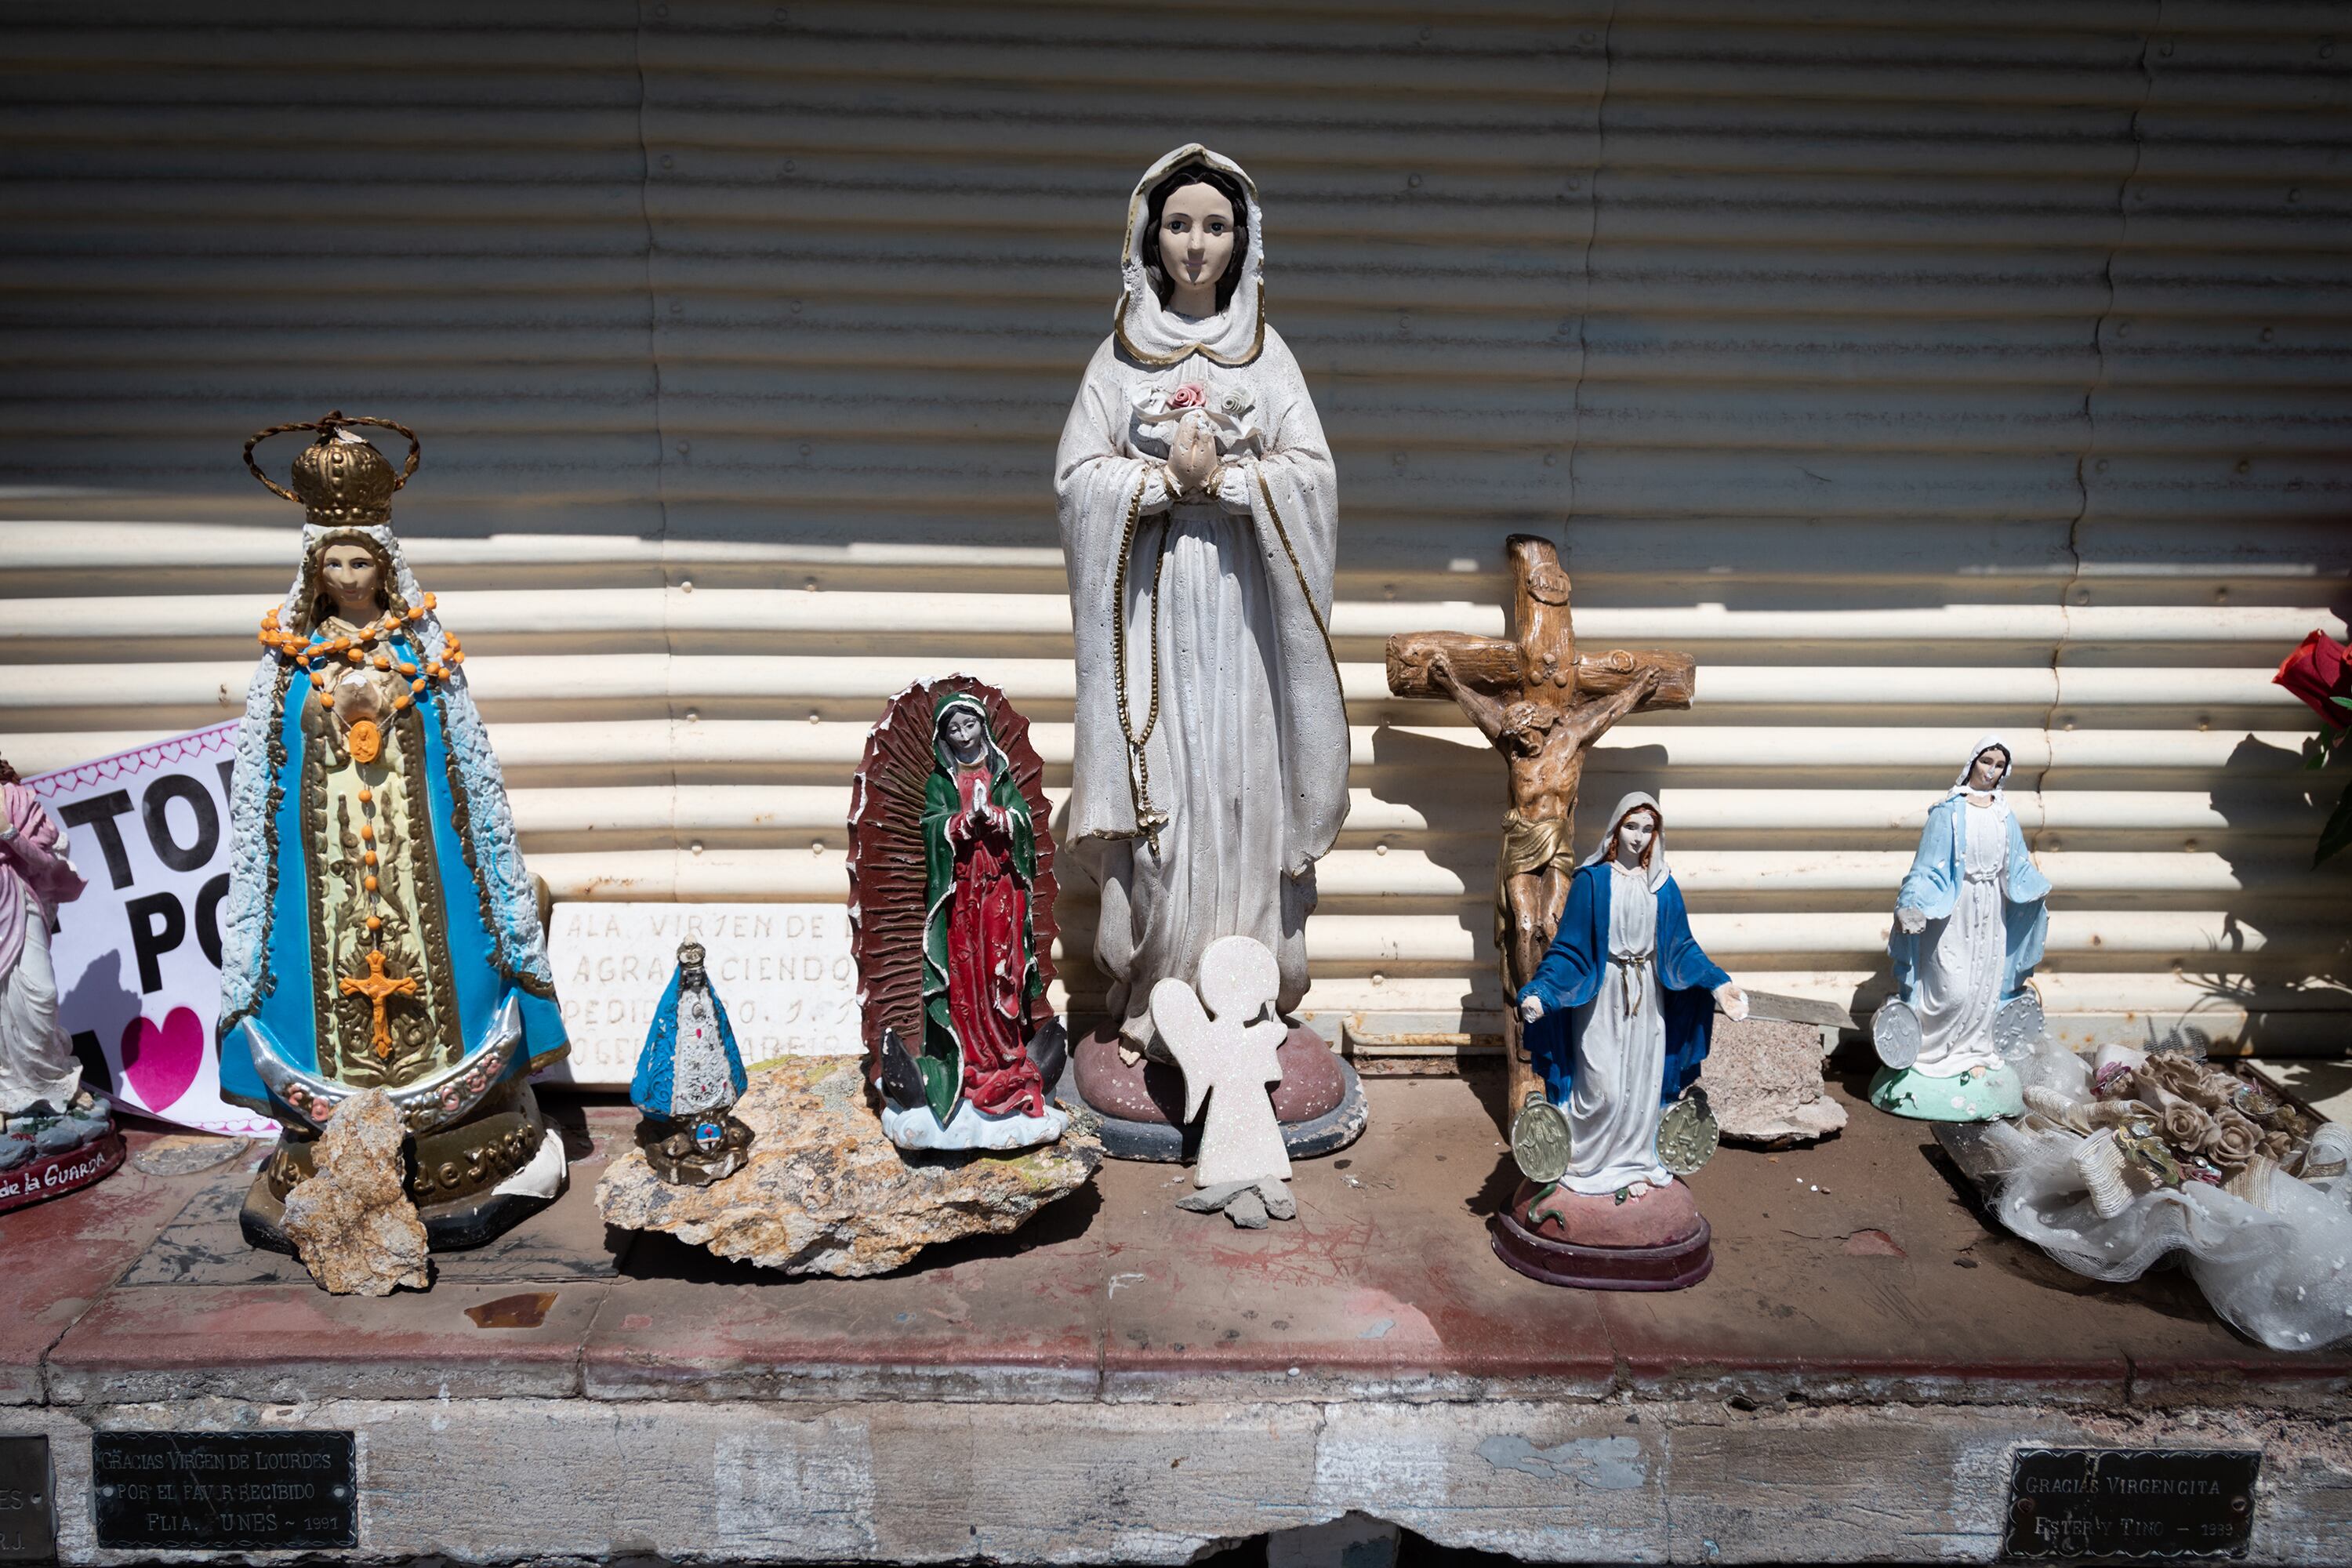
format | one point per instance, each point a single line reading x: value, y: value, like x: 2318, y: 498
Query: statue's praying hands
x: 1192, y: 454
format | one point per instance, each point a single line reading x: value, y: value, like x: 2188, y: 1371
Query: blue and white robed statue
x: 379, y: 931
x: 1969, y: 927
x: 1618, y: 1016
x: 688, y: 1077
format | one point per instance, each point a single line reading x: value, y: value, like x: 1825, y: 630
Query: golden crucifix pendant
x: 378, y: 988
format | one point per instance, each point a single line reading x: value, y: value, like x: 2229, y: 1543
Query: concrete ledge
x: 1121, y: 1381
x: 498, y: 1481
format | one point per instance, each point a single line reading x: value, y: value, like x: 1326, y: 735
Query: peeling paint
x: 1610, y: 1464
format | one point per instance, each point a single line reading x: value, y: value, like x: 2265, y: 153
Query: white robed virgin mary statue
x: 1200, y: 525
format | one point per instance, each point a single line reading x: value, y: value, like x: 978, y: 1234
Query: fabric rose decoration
x: 2232, y: 1140
x: 2185, y: 1127
x: 2318, y: 672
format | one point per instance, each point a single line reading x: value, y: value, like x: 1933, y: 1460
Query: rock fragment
x: 825, y: 1193
x: 352, y: 1223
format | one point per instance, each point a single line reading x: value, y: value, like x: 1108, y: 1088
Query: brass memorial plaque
x: 223, y: 1491
x: 28, y: 1514
x: 2131, y: 1503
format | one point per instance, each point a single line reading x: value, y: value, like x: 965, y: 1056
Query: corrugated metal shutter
x: 1921, y: 369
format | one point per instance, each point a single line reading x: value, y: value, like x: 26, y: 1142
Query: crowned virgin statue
x: 1200, y: 526
x: 379, y: 930
x: 1969, y: 925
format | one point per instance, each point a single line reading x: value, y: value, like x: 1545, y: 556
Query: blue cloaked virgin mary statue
x: 379, y: 931
x: 1618, y: 1017
x: 688, y: 1077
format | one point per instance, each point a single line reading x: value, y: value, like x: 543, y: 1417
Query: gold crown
x: 340, y: 481
x: 690, y: 955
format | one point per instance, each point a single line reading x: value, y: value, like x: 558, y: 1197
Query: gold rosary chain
x: 1139, y: 778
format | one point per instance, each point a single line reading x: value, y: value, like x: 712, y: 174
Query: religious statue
x: 1542, y: 705
x: 1200, y: 527
x: 688, y: 1077
x: 56, y: 1134
x: 379, y: 930
x: 1618, y: 1017
x: 1228, y: 1056
x: 951, y: 907
x: 1969, y: 925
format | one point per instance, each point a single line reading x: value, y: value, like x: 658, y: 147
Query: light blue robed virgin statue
x: 1968, y: 928
x: 379, y: 930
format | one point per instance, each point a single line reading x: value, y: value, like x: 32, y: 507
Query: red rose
x: 2316, y: 672
x: 1193, y: 394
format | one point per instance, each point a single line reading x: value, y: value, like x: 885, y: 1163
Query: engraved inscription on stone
x: 2130, y: 1504
x: 784, y: 970
x: 28, y: 1521
x: 223, y: 1491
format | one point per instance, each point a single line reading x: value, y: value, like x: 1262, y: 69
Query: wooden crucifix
x: 1542, y: 705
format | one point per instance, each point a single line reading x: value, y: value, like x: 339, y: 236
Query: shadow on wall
x: 2270, y: 859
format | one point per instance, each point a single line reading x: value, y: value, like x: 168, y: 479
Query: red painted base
x: 53, y: 1176
x: 1672, y: 1265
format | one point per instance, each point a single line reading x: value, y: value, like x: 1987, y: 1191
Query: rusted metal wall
x: 1924, y: 369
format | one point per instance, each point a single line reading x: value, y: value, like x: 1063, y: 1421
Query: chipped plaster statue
x: 1200, y: 525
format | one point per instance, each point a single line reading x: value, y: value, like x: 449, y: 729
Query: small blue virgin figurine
x: 688, y: 1077
x: 1618, y: 1017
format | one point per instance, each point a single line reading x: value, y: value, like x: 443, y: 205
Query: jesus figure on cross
x: 1542, y: 705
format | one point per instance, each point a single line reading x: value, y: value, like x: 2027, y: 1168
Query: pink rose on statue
x: 1192, y: 395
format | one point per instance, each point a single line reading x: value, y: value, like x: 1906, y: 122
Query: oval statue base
x: 1675, y: 1265
x: 1139, y: 1102
x: 525, y: 1171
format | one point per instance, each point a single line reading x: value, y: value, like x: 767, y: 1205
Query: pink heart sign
x: 160, y: 1064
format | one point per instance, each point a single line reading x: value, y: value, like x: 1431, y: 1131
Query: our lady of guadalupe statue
x: 952, y: 894
x: 379, y: 930
x: 1199, y: 509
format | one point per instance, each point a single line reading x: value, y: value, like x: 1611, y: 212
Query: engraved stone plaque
x: 223, y: 1491
x: 28, y: 1519
x: 784, y: 970
x: 2131, y: 1503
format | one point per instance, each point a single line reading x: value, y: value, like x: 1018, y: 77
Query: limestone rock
x: 1763, y: 1081
x: 352, y: 1223
x: 825, y: 1193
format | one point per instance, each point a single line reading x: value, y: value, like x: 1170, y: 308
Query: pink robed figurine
x: 55, y: 1134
